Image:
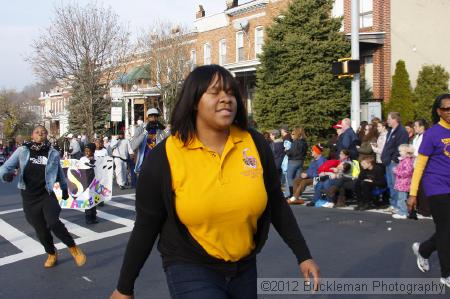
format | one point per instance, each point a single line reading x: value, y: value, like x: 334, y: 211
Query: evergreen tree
x: 294, y: 81
x: 401, y: 94
x: 88, y: 106
x: 431, y: 82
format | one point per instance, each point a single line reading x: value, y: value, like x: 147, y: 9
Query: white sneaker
x: 446, y: 281
x: 422, y: 263
x: 391, y: 209
x: 292, y: 198
x: 399, y: 216
x: 423, y: 217
x: 328, y: 205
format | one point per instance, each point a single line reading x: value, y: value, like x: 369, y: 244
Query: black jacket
x: 376, y: 175
x: 277, y: 148
x: 298, y: 150
x: 393, y: 140
x: 156, y: 216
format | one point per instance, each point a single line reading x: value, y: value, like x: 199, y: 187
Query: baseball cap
x: 338, y: 125
x: 152, y: 111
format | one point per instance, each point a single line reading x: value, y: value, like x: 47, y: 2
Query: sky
x: 22, y: 21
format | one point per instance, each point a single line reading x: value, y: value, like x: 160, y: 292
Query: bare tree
x: 166, y: 48
x: 85, y: 47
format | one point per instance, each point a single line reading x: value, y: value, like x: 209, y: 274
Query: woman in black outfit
x: 296, y: 157
x: 40, y: 169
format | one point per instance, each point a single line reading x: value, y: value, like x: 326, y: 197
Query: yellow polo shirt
x: 219, y: 198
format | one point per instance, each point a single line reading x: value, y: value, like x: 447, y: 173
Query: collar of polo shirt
x: 195, y: 143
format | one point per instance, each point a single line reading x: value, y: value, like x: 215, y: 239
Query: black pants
x: 90, y: 214
x: 440, y: 240
x: 363, y: 191
x: 42, y: 212
x: 344, y: 186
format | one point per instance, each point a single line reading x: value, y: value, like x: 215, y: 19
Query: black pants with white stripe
x: 42, y: 212
x: 440, y: 241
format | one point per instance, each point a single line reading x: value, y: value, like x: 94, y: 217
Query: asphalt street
x: 345, y: 244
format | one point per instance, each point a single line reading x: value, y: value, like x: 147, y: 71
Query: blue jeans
x: 390, y: 180
x: 197, y: 281
x: 321, y: 185
x: 401, y: 202
x: 293, y: 171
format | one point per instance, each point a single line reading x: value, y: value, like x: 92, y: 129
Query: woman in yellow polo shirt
x: 210, y: 192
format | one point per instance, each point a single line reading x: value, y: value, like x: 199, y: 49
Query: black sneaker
x: 310, y: 204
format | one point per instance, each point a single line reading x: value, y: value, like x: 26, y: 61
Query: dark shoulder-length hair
x: 437, y: 103
x: 182, y: 122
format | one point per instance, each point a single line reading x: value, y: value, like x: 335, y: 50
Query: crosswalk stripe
x: 31, y: 248
x: 120, y: 205
x: 78, y: 230
x: 127, y: 196
x: 10, y: 211
x: 18, y: 238
x: 115, y: 218
x: 39, y: 250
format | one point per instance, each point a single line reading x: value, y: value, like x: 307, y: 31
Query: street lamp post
x: 355, y: 107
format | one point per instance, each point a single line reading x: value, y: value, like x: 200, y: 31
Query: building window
x: 259, y: 40
x: 338, y: 9
x: 193, y: 59
x: 206, y: 54
x: 338, y: 12
x: 368, y: 72
x: 240, y: 46
x: 222, y: 52
x: 365, y: 13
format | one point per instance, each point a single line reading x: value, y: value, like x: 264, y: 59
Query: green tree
x: 401, y: 94
x: 431, y: 82
x: 15, y: 113
x: 87, y: 107
x: 294, y: 81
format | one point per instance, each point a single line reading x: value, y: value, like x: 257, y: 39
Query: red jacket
x: 327, y: 165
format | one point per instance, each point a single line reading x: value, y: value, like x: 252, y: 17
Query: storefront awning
x: 138, y: 73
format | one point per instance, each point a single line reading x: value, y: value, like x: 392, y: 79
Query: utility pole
x: 355, y: 107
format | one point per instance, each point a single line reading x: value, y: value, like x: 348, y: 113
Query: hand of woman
x: 411, y: 203
x: 118, y: 295
x: 309, y: 268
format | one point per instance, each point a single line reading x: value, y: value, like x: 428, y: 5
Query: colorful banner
x: 88, y: 184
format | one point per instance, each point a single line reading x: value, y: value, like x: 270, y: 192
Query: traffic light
x: 345, y: 67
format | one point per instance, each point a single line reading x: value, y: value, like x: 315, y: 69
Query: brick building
x: 234, y: 38
x: 390, y: 30
x: 54, y: 109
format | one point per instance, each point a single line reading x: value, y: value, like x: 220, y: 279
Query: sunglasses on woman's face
x: 445, y: 109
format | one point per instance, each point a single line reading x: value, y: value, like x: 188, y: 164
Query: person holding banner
x: 40, y: 169
x: 210, y: 192
x: 89, y: 160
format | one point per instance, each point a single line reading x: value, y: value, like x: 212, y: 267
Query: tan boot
x: 51, y: 261
x: 78, y: 255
